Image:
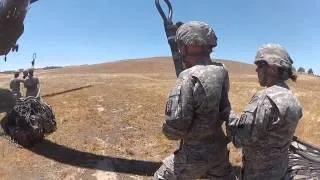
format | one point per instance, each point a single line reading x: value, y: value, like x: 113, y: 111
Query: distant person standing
x: 25, y: 74
x: 32, y: 84
x: 15, y: 85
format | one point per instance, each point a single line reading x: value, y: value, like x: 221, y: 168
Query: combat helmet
x: 196, y: 33
x: 274, y: 54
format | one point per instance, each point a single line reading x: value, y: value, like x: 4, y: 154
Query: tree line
x: 302, y: 70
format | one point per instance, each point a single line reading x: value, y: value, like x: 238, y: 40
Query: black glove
x: 231, y: 124
x: 171, y: 31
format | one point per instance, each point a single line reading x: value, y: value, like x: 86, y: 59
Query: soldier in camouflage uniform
x: 15, y: 85
x: 268, y: 122
x: 196, y: 109
x: 25, y: 73
x: 32, y: 84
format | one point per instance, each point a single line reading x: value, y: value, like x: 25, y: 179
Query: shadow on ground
x: 73, y: 157
x: 81, y: 159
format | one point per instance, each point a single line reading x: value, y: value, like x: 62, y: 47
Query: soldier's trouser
x: 16, y: 95
x: 275, y: 172
x: 188, y: 163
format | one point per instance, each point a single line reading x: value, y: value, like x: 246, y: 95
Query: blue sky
x: 69, y: 32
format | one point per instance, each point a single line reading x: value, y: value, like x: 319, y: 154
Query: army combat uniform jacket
x: 31, y: 83
x: 195, y: 110
x: 15, y: 87
x: 265, y: 130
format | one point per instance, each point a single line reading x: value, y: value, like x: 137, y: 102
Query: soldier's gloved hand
x: 231, y: 124
x: 171, y: 31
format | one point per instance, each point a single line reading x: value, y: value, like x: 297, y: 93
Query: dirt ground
x: 112, y: 130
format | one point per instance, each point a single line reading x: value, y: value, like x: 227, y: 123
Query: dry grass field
x: 112, y: 130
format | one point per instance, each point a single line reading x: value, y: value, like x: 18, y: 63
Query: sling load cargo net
x: 30, y: 120
x: 304, y: 160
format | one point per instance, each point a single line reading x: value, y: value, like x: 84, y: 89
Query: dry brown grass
x: 122, y: 114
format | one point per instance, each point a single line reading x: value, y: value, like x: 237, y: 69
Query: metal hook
x: 166, y: 20
x: 34, y: 56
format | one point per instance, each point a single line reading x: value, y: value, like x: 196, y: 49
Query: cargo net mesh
x: 304, y: 160
x: 30, y: 120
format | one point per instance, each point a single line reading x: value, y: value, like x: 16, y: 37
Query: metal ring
x: 166, y: 19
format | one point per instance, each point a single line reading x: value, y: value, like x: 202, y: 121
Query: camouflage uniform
x: 195, y: 110
x: 31, y: 83
x: 25, y: 74
x: 15, y: 87
x: 267, y: 125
